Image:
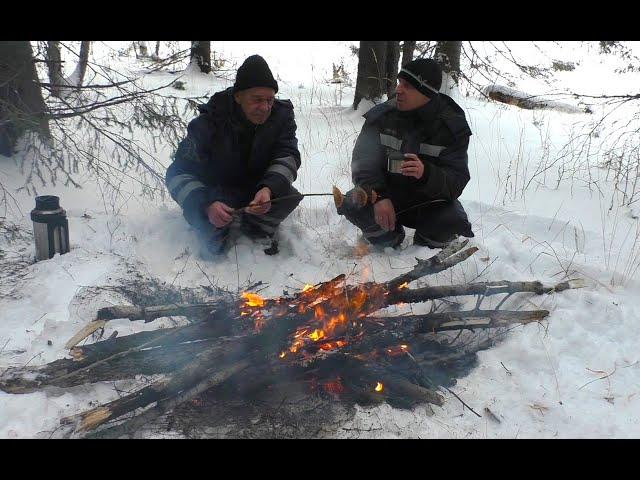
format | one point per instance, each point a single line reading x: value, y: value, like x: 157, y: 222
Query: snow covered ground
x: 575, y: 375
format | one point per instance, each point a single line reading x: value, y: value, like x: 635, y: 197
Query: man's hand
x: 219, y: 214
x: 263, y: 195
x: 385, y: 214
x: 412, y: 166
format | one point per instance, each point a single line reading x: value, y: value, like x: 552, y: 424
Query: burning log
x: 326, y: 336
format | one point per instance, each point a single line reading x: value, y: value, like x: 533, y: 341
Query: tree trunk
x: 408, y: 46
x: 85, y: 46
x: 393, y: 57
x: 372, y: 71
x: 22, y: 107
x: 201, y: 54
x: 54, y: 66
x: 447, y: 54
x: 77, y: 77
x: 144, y: 51
x: 157, y: 52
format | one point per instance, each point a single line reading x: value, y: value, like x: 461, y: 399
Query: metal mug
x: 394, y: 162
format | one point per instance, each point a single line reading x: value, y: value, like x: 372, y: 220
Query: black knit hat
x: 254, y: 72
x: 424, y: 74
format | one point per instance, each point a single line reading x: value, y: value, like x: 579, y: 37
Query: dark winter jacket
x: 224, y: 152
x: 437, y: 132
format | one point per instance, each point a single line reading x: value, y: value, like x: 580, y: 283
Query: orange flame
x: 282, y: 354
x: 307, y: 287
x: 359, y: 299
x: 316, y: 335
x: 379, y: 387
x: 253, y: 300
x: 404, y: 285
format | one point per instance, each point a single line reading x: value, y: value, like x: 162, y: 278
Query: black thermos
x: 50, y: 227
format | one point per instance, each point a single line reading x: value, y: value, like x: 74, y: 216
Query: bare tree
x: 22, y: 107
x: 393, y: 57
x: 77, y: 77
x: 144, y: 51
x: 60, y: 83
x: 54, y: 65
x: 83, y: 131
x: 408, y: 46
x: 377, y: 70
x: 201, y: 55
x: 156, y: 54
x: 447, y: 54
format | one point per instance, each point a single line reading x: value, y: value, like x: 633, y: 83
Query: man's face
x: 256, y: 103
x: 408, y: 98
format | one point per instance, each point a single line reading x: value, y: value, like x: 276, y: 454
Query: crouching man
x: 241, y: 150
x: 412, y: 151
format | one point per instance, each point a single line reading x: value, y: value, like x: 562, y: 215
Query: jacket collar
x: 426, y: 113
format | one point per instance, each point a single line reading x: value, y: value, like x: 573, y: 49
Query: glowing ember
x: 334, y: 386
x: 295, y: 346
x: 397, y: 350
x: 404, y: 285
x: 378, y: 387
x: 307, y: 287
x: 300, y: 333
x: 332, y: 345
x: 282, y: 354
x: 253, y: 300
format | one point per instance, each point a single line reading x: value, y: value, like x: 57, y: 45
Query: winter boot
x: 436, y: 241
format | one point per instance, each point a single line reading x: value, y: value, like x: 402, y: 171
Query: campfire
x: 334, y: 338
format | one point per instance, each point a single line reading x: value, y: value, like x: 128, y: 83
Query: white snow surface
x: 576, y: 374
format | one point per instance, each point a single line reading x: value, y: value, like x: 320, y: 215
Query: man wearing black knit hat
x: 241, y: 150
x: 412, y: 152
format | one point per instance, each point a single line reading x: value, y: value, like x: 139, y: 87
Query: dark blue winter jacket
x: 223, y: 153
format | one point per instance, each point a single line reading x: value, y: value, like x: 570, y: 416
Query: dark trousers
x: 437, y: 221
x: 254, y: 225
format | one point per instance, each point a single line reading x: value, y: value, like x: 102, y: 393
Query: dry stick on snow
x: 210, y: 359
x: 483, y: 288
x: 448, y: 257
x: 170, y: 403
x: 471, y: 319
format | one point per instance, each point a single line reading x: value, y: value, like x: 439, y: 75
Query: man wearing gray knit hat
x: 412, y: 152
x: 242, y: 150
